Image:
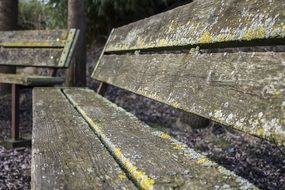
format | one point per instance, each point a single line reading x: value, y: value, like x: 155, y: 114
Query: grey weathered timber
x: 66, y: 153
x: 204, y: 22
x: 151, y: 158
x: 30, y: 57
x: 50, y: 49
x: 28, y: 80
x: 34, y: 38
x: 37, y: 48
x: 242, y: 90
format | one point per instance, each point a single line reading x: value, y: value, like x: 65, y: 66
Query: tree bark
x: 76, y: 74
x: 8, y: 21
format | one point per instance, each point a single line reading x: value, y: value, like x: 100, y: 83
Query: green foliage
x: 58, y: 12
x: 31, y: 15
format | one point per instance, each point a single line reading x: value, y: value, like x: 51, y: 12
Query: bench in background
x: 182, y: 58
x: 51, y: 50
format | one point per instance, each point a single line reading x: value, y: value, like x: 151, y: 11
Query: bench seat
x: 30, y: 80
x: 66, y: 153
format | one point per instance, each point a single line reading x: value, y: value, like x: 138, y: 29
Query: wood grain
x: 153, y: 159
x: 30, y: 80
x: 202, y: 23
x: 30, y: 57
x: 243, y: 90
x: 66, y: 153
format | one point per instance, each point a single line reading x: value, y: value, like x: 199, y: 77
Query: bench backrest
x: 46, y: 48
x: 244, y: 90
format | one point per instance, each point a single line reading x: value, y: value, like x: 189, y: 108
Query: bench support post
x: 15, y: 133
x: 15, y: 140
x: 102, y: 88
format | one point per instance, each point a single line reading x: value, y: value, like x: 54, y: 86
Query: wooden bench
x: 51, y: 50
x: 182, y: 58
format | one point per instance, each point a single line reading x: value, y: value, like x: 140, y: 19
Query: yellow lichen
x: 28, y: 44
x: 144, y: 181
x: 148, y: 184
x: 248, y: 36
x: 162, y: 42
x: 178, y: 147
x: 260, y: 33
x: 260, y: 132
x: 140, y: 42
x: 203, y: 160
x: 206, y: 38
x: 118, y: 153
x: 165, y: 136
x: 176, y: 104
x: 188, y: 155
x: 222, y: 38
x: 122, y: 176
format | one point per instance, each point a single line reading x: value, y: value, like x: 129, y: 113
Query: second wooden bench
x: 50, y: 50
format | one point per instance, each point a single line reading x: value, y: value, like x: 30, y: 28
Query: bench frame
x: 64, y: 62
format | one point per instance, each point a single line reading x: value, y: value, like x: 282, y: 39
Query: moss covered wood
x: 151, y: 158
x: 34, y: 38
x: 50, y: 49
x: 242, y: 90
x: 204, y: 22
x: 66, y: 153
x: 34, y: 57
x: 37, y: 48
x: 69, y: 49
x: 28, y: 80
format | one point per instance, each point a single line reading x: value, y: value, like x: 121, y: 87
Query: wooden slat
x: 204, y: 22
x: 33, y: 38
x: 30, y: 57
x: 242, y: 90
x: 29, y: 80
x: 152, y: 159
x: 69, y: 48
x: 66, y: 153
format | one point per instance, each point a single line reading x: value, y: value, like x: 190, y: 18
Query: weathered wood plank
x: 30, y: 80
x: 242, y: 90
x: 153, y: 159
x: 204, y: 22
x: 30, y: 57
x: 69, y: 48
x: 66, y: 153
x: 33, y: 38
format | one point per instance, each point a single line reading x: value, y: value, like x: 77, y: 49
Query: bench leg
x: 15, y: 133
x: 102, y: 88
x: 15, y: 140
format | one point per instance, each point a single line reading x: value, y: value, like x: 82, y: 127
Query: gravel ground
x: 15, y: 164
x: 15, y: 168
x: 259, y: 161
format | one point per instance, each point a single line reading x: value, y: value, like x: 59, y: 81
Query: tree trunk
x: 76, y: 74
x: 8, y: 21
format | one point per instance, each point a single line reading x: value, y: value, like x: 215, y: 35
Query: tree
x: 8, y: 21
x: 76, y: 75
